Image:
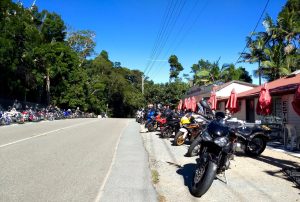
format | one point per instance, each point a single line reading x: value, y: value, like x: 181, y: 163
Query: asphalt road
x: 72, y: 160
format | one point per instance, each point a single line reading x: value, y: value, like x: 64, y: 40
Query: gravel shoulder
x: 259, y: 179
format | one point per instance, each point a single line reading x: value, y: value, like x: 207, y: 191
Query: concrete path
x: 130, y: 177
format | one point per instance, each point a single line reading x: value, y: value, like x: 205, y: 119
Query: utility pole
x: 143, y: 78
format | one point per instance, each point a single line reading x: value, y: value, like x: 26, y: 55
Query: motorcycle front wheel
x: 150, y: 127
x: 203, y: 178
x: 166, y: 132
x: 179, y: 139
x: 194, y: 148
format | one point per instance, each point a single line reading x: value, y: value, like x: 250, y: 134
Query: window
x: 277, y: 107
x: 239, y: 104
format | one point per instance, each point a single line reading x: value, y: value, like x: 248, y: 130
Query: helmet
x: 184, y: 120
x: 220, y: 115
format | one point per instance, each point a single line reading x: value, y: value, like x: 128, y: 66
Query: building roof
x: 217, y: 88
x: 205, y: 91
x: 286, y: 84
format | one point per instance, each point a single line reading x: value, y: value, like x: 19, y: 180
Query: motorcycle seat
x: 246, y: 131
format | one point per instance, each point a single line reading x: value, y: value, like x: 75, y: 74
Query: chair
x: 291, y: 134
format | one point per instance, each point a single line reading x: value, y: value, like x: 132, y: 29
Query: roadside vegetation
x: 44, y: 62
x: 155, y: 176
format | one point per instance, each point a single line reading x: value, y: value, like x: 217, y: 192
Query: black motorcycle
x: 251, y: 139
x: 218, y: 143
x: 217, y: 147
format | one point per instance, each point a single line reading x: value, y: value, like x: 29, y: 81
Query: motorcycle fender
x: 264, y: 136
x: 185, y: 132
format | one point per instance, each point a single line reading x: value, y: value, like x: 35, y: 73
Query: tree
x: 52, y: 27
x: 54, y: 61
x: 175, y: 67
x: 206, y: 72
x: 277, y: 49
x: 256, y: 52
x: 82, y: 42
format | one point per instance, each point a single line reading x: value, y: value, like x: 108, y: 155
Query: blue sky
x: 128, y: 29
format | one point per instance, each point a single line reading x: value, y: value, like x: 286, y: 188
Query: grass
x: 155, y: 176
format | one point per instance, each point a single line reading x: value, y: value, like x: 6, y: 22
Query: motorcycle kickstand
x: 225, y: 178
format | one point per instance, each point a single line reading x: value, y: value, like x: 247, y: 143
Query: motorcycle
x: 155, y: 123
x: 251, y: 139
x: 172, y: 125
x: 190, y: 129
x: 218, y: 144
x: 5, y: 118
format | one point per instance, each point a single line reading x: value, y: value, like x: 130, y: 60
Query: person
x: 17, y: 105
x: 227, y: 114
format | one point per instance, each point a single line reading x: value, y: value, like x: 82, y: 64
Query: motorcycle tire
x: 258, y: 142
x: 166, y: 133
x: 200, y: 186
x: 150, y: 127
x: 194, y: 149
x: 3, y: 122
x: 178, y: 139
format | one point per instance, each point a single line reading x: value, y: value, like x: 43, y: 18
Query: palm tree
x: 207, y: 72
x: 275, y: 64
x: 256, y: 51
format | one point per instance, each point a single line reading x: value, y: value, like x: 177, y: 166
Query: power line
x: 162, y: 35
x: 187, y: 31
x: 261, y: 15
x: 158, y: 37
x: 177, y: 15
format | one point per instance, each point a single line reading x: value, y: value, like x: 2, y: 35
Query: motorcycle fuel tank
x: 217, y: 129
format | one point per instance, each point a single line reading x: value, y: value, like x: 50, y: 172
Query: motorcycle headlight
x: 221, y: 141
x: 205, y: 136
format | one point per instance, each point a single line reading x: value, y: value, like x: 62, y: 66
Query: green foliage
x: 38, y: 62
x: 82, y: 42
x: 175, y: 67
x: 277, y: 49
x: 168, y: 93
x: 206, y: 73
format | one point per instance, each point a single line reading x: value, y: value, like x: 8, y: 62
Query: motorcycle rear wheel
x: 203, y: 179
x: 256, y: 146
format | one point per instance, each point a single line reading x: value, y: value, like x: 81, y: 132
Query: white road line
x: 101, y: 190
x: 43, y: 134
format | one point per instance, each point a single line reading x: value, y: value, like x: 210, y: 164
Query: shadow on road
x: 280, y: 163
x: 283, y: 166
x: 186, y: 171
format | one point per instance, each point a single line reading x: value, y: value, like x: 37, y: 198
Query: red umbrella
x: 193, y: 104
x: 188, y: 105
x: 179, y: 107
x: 231, y: 103
x: 296, y: 101
x: 213, y: 100
x: 263, y: 106
x: 184, y: 104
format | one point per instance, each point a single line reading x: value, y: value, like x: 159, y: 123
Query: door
x: 250, y: 110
